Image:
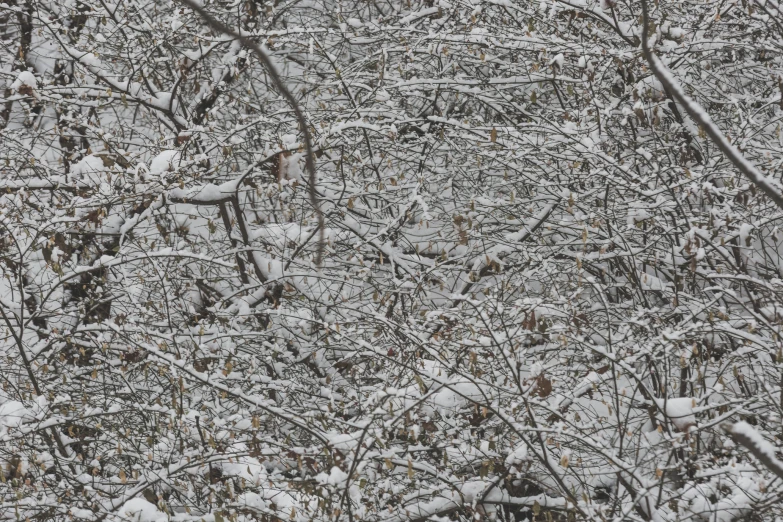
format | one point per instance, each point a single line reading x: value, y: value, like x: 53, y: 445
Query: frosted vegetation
x: 535, y: 273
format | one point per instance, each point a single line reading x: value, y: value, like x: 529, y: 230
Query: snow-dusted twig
x: 775, y: 5
x: 289, y: 97
x: 698, y: 113
x: 744, y: 434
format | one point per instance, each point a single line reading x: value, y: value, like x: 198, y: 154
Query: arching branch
x: 289, y: 97
x: 701, y: 117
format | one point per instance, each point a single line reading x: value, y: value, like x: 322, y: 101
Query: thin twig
x: 280, y: 86
x: 702, y: 118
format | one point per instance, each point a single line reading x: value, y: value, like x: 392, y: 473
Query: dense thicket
x: 542, y: 292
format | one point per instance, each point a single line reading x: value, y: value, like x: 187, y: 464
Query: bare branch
x: 702, y: 118
x: 744, y: 434
x: 300, y: 117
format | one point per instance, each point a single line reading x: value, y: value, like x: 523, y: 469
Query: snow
x: 208, y: 193
x: 469, y: 493
x: 425, y: 356
x: 652, y: 86
x: 680, y: 411
x: 335, y: 477
x: 89, y: 165
x: 89, y: 59
x: 91, y: 171
x: 457, y: 395
x: 24, y: 78
x: 166, y: 161
x: 642, y: 151
x: 417, y: 15
x: 12, y: 415
x: 517, y: 456
x: 345, y: 441
x: 164, y: 101
x: 768, y: 185
x: 140, y: 510
x: 448, y: 402
x: 758, y: 445
x: 745, y: 233
x: 651, y: 282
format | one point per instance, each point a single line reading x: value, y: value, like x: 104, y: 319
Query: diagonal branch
x: 702, y: 118
x: 743, y: 433
x: 289, y: 97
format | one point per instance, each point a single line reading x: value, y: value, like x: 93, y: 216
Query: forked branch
x: 289, y: 97
x: 701, y: 117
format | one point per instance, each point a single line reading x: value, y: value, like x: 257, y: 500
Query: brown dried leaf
x: 543, y: 386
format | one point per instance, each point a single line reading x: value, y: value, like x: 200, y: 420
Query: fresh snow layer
x: 140, y: 510
x: 679, y: 410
